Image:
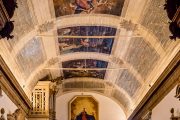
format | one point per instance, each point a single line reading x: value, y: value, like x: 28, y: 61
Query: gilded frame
x: 92, y: 108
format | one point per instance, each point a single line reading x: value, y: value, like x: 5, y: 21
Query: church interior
x: 89, y: 59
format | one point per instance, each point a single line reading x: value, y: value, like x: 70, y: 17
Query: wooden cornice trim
x: 164, y: 84
x: 176, y: 17
x: 3, y: 11
x: 13, y: 89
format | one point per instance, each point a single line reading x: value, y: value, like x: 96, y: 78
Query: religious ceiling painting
x: 87, y: 31
x: 31, y: 56
x: 83, y: 108
x: 86, y: 39
x: 84, y: 68
x: 69, y: 7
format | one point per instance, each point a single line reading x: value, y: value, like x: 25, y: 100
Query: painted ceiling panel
x: 156, y: 20
x: 141, y: 55
x: 128, y: 82
x: 31, y: 56
x: 84, y: 63
x: 102, y: 45
x: 87, y: 31
x: 74, y: 43
x: 69, y: 7
x: 134, y: 49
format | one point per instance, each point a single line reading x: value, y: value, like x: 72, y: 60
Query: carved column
x: 54, y: 91
x: 54, y: 88
x: 53, y: 105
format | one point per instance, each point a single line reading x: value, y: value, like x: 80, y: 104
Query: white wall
x: 7, y: 104
x: 162, y: 110
x: 108, y: 109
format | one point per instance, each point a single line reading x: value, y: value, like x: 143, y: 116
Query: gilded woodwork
x: 3, y: 16
x: 178, y: 92
x: 40, y: 99
x: 165, y: 83
x: 12, y: 88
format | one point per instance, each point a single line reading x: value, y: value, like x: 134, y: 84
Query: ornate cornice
x: 178, y: 91
x: 12, y: 88
x: 3, y: 15
x: 164, y: 84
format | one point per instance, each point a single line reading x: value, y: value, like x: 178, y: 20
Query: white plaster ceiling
x: 140, y: 51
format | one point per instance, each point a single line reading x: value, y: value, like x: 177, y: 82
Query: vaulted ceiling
x: 117, y: 48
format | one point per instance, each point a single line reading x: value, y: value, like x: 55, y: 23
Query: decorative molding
x: 128, y: 25
x: 178, y: 92
x: 164, y: 84
x: 11, y: 87
x: 147, y: 116
x: 47, y: 26
x: 3, y: 16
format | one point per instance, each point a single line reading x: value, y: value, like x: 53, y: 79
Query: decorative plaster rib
x: 22, y: 42
x: 106, y: 83
x: 111, y: 21
x: 66, y: 57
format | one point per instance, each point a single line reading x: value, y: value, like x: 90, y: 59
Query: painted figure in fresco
x: 84, y: 116
x: 88, y: 6
x: 84, y: 6
x: 69, y: 7
x: 86, y: 45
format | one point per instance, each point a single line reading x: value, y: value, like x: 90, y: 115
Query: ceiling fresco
x: 85, y: 45
x: 31, y: 56
x: 87, y: 31
x: 86, y: 39
x: 84, y: 63
x: 136, y: 46
x: 69, y: 7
